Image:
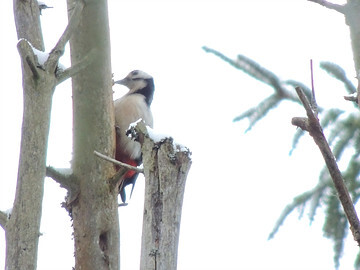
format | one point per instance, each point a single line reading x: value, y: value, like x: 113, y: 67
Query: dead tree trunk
x: 166, y: 166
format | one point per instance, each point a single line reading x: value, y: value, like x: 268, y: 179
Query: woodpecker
x: 135, y: 104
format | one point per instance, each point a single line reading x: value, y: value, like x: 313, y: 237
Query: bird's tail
x: 129, y: 178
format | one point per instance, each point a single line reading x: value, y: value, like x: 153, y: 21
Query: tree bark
x: 22, y: 228
x: 166, y: 166
x: 27, y: 21
x: 95, y: 211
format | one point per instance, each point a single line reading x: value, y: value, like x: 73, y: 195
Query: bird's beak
x: 122, y: 82
x: 126, y: 82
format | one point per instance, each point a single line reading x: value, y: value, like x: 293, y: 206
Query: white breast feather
x: 129, y: 109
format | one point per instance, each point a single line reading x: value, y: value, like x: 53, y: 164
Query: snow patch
x: 8, y: 212
x: 156, y: 137
x: 133, y: 124
x: 159, y: 137
x: 182, y: 148
x: 41, y: 56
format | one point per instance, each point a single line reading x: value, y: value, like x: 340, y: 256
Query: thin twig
x: 313, y: 99
x: 329, y: 5
x: 316, y: 132
x: 116, y: 162
x: 306, y: 104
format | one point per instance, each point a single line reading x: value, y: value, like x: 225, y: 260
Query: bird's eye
x: 134, y: 73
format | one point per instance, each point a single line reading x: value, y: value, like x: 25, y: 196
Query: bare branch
x: 351, y: 98
x: 329, y: 5
x: 69, y: 72
x: 116, y: 162
x: 316, y: 132
x: 62, y: 176
x: 59, y: 48
x: 114, y: 181
x: 3, y: 219
x: 306, y: 104
x: 301, y: 122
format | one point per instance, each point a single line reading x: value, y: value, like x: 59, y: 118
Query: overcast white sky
x: 239, y: 182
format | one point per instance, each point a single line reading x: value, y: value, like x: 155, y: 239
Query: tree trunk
x: 95, y: 211
x: 22, y: 229
x: 166, y: 166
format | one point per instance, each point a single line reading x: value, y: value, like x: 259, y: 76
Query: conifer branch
x: 297, y: 202
x: 335, y: 226
x: 264, y: 75
x: 297, y: 136
x: 338, y: 73
x: 258, y: 112
x: 315, y: 130
x: 253, y: 69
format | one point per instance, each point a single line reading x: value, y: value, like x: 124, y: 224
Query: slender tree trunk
x: 22, y: 229
x: 95, y: 211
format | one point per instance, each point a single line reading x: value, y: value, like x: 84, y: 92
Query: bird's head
x: 136, y: 80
